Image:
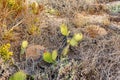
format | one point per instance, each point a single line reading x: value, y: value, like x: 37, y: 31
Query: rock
x: 33, y: 51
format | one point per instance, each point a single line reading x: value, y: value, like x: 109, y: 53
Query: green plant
x: 54, y: 55
x: 71, y: 41
x: 65, y: 50
x: 78, y: 36
x: 23, y: 47
x: 20, y: 75
x: 50, y: 57
x: 5, y: 53
x: 64, y: 29
x: 75, y: 39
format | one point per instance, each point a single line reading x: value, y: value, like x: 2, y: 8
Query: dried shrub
x: 82, y: 19
x: 94, y: 30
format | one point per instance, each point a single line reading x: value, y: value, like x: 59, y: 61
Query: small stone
x: 33, y: 51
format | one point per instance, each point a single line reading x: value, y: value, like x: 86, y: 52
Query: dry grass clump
x: 94, y: 30
x: 81, y: 19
